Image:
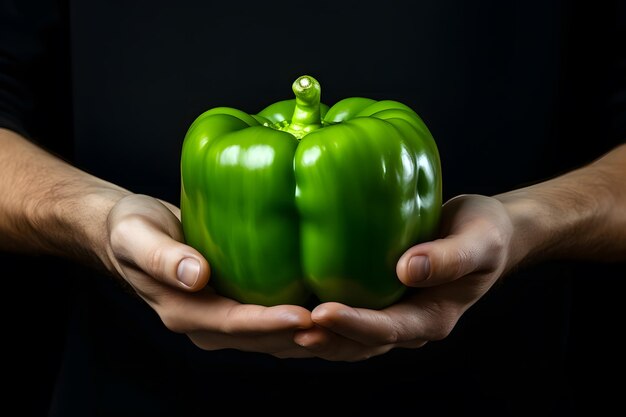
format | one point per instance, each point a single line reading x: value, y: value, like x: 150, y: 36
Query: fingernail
x: 188, y: 272
x: 304, y: 340
x: 300, y: 338
x: 419, y: 268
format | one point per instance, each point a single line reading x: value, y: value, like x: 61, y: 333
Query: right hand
x: 474, y: 250
x: 145, y: 247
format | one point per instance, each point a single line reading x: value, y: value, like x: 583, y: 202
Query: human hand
x: 145, y: 248
x: 452, y: 273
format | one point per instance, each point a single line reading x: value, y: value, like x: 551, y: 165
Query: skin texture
x: 48, y: 206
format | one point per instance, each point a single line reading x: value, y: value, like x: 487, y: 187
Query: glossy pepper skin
x: 301, y: 199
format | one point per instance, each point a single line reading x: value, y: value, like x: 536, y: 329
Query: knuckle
x: 124, y: 229
x: 231, y: 325
x: 463, y: 262
x: 441, y: 330
x: 441, y: 322
x: 172, y: 321
x: 453, y: 262
x: 498, y: 236
x: 394, y: 336
x: 155, y: 260
x: 499, y: 240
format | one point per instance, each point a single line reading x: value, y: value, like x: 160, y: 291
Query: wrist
x: 72, y: 221
x: 564, y: 218
x: 528, y: 232
x: 92, y: 226
x: 48, y: 206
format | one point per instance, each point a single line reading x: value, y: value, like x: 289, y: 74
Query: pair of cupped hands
x: 145, y: 247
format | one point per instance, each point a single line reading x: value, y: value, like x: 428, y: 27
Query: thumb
x: 445, y: 260
x: 145, y: 242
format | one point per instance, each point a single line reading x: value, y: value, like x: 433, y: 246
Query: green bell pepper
x: 303, y: 200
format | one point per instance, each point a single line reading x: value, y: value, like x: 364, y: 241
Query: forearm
x: 579, y: 215
x: 49, y: 206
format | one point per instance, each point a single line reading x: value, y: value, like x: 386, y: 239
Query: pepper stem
x: 306, y: 116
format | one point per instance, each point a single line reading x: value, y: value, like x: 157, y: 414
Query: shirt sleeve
x: 618, y: 98
x: 34, y: 71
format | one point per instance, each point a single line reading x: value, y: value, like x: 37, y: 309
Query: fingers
x: 339, y: 337
x: 443, y: 260
x: 479, y: 233
x: 145, y: 246
x: 213, y: 322
x: 331, y: 346
x: 454, y: 272
x: 369, y: 327
x: 207, y: 311
x: 277, y: 344
x: 412, y: 321
x: 146, y: 234
x: 428, y: 314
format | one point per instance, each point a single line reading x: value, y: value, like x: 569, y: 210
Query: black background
x: 513, y: 346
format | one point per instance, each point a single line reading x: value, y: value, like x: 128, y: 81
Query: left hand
x: 460, y: 268
x: 143, y: 243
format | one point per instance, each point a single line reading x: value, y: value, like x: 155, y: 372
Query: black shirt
x: 513, y: 92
